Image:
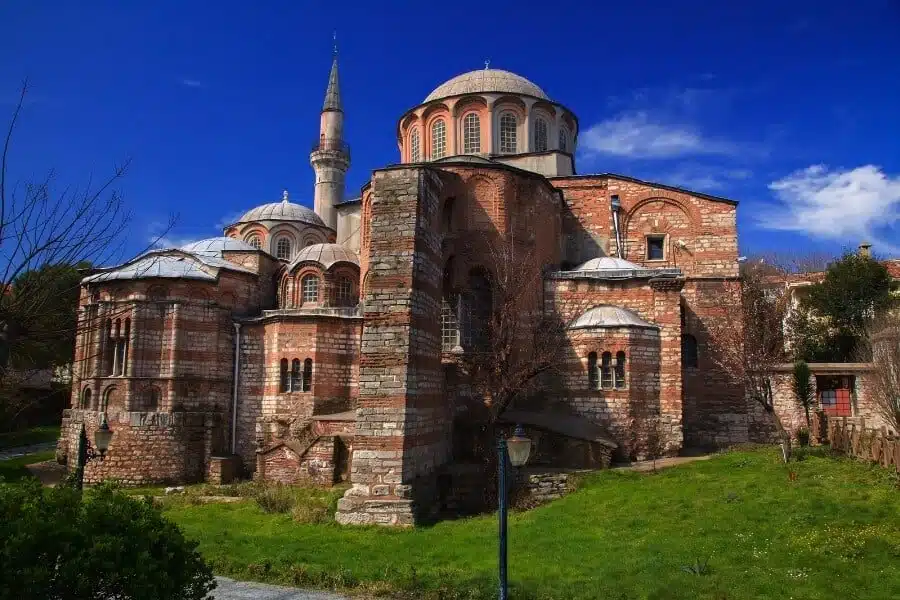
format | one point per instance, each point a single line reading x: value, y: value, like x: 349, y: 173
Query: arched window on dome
x: 415, y: 154
x: 254, y: 241
x: 563, y: 139
x: 471, y: 134
x: 283, y: 248
x: 619, y: 370
x: 606, y: 374
x: 309, y: 288
x: 508, y: 126
x: 593, y: 373
x: 541, y: 138
x: 438, y: 139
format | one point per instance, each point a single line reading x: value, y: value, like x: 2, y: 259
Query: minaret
x: 330, y: 157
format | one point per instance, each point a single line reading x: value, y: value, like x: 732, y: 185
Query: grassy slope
x: 834, y: 532
x: 13, y: 469
x: 35, y: 435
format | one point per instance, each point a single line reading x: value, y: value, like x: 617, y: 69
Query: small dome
x: 608, y: 263
x: 282, y: 211
x: 215, y: 246
x: 609, y: 316
x: 326, y: 255
x: 486, y: 80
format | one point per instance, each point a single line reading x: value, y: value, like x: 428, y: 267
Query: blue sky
x: 792, y: 108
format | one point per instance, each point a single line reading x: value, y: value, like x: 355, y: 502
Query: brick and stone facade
x: 286, y: 352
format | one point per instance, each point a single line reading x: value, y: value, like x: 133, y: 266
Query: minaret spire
x: 333, y: 93
x: 330, y: 157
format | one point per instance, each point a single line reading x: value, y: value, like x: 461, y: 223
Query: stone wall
x: 653, y: 391
x: 402, y: 428
x: 265, y: 413
x: 146, y: 448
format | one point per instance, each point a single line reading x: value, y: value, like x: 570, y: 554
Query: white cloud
x: 851, y: 205
x: 636, y: 135
x: 229, y: 219
x: 192, y: 83
x: 171, y: 241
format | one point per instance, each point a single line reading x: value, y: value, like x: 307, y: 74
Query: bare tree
x: 45, y: 229
x: 514, y: 343
x: 883, y: 343
x: 749, y: 344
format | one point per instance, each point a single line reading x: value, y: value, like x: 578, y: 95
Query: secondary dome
x: 282, y: 211
x: 486, y: 80
x: 608, y: 263
x: 326, y: 255
x: 215, y: 246
x: 610, y: 316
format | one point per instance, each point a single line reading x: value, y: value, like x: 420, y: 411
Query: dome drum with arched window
x: 320, y: 276
x: 492, y: 113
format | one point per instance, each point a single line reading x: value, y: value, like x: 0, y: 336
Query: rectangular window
x: 656, y: 247
x: 449, y: 323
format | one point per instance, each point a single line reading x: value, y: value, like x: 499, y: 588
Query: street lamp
x: 515, y: 450
x: 86, y: 453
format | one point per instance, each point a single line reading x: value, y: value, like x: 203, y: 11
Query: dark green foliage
x: 855, y: 289
x: 53, y: 546
x: 41, y: 314
x: 803, y: 388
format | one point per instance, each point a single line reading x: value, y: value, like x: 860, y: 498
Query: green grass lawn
x: 26, y: 437
x: 13, y: 469
x: 832, y: 533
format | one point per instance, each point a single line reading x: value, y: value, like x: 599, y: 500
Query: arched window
x: 307, y: 374
x: 508, y: 126
x: 295, y: 375
x: 447, y: 218
x: 107, y: 396
x: 283, y: 248
x: 593, y: 380
x: 343, y: 292
x: 254, y: 241
x: 284, y: 382
x: 449, y: 311
x: 606, y: 376
x: 541, y: 136
x: 123, y: 348
x: 438, y: 139
x: 481, y: 307
x: 109, y: 349
x: 86, y: 398
x: 309, y: 287
x: 471, y: 134
x: 689, y: 353
x: 620, y: 370
x: 414, y: 147
x: 563, y: 139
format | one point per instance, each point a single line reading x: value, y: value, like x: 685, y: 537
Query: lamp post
x: 514, y: 450
x: 86, y: 453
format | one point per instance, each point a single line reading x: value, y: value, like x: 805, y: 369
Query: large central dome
x: 486, y: 80
x: 282, y: 211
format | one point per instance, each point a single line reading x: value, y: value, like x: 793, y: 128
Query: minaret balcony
x: 331, y: 145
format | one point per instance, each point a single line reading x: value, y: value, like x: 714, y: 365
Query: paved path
x: 229, y: 589
x: 23, y: 450
x: 661, y: 463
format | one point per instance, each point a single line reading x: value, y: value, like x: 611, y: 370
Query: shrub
x: 276, y: 499
x: 56, y: 545
x: 803, y: 436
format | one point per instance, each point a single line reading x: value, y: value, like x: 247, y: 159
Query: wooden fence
x: 854, y: 439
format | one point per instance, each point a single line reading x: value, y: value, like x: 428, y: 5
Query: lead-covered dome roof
x: 325, y: 255
x: 610, y: 316
x: 486, y: 80
x: 215, y: 246
x: 282, y: 211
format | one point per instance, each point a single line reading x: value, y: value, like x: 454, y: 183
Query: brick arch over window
x: 650, y: 199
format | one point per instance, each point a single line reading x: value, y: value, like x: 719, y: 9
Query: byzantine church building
x: 320, y: 345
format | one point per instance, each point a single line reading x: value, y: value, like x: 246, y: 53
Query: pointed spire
x: 333, y: 93
x: 284, y: 196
